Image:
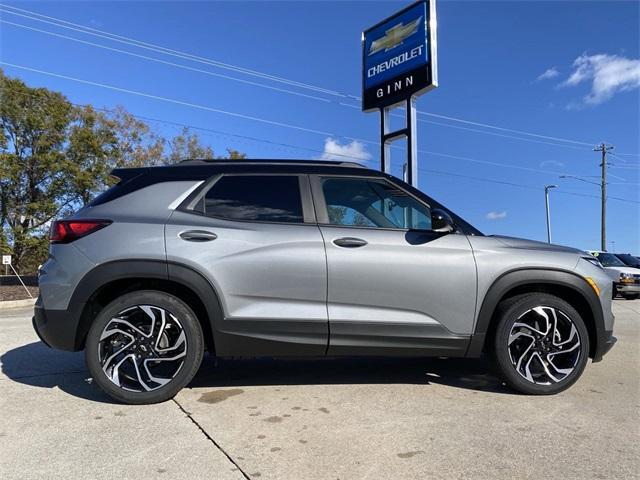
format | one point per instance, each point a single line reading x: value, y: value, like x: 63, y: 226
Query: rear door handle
x: 350, y: 242
x: 198, y: 236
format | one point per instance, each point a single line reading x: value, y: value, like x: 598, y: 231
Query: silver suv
x: 306, y: 258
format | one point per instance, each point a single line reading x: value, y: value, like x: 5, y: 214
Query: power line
x: 626, y: 163
x: 172, y: 64
x: 286, y: 146
x: 163, y: 50
x: 523, y: 132
x: 448, y: 125
x: 271, y: 122
x: 170, y: 100
x: 153, y: 47
x: 263, y: 120
x: 291, y: 92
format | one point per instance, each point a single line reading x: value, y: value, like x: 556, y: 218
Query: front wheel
x: 541, y: 344
x: 144, y: 346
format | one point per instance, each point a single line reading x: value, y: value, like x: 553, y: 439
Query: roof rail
x: 205, y: 161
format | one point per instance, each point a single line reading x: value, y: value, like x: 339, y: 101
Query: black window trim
x: 306, y: 200
x: 322, y: 213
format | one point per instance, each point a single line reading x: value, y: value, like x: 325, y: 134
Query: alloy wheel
x: 142, y: 348
x: 544, y: 345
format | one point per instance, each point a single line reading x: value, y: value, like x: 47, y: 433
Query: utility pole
x: 603, y: 186
x: 546, y: 200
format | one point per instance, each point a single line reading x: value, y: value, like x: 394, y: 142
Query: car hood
x: 514, y: 242
x: 631, y: 270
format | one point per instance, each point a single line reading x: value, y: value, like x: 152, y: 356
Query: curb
x: 9, y: 304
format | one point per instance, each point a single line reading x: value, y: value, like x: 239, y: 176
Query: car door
x: 395, y: 286
x: 255, y: 239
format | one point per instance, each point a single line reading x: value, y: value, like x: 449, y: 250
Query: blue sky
x: 569, y: 70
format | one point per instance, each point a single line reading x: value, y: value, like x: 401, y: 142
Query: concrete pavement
x: 319, y: 419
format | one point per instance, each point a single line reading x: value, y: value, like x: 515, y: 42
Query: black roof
x: 225, y: 161
x: 204, y: 168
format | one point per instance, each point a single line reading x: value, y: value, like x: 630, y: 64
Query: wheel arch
x: 110, y: 280
x: 564, y: 284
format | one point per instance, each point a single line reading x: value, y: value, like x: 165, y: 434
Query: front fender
x: 547, y: 278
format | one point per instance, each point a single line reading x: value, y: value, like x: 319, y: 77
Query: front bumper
x: 628, y: 287
x: 57, y: 328
x: 606, y: 341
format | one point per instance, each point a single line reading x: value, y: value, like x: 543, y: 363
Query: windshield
x: 629, y: 259
x: 609, y: 260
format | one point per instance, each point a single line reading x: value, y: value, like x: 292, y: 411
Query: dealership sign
x: 399, y: 56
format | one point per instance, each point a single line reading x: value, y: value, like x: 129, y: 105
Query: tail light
x: 66, y: 231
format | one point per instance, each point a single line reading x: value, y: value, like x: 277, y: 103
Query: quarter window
x: 263, y: 198
x: 367, y: 202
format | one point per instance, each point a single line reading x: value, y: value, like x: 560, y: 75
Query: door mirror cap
x: 441, y: 221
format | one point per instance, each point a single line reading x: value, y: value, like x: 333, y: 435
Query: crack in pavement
x: 45, y: 374
x: 210, y: 438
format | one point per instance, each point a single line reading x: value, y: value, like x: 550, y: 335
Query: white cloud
x: 351, y: 152
x: 608, y: 74
x: 496, y: 215
x: 549, y: 73
x: 552, y: 163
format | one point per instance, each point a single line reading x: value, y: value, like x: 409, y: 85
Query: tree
x: 32, y: 165
x: 234, y: 154
x: 186, y: 145
x: 55, y: 157
x: 136, y: 144
x: 90, y: 154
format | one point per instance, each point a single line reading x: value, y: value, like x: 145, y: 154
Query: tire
x: 537, y: 364
x: 630, y: 296
x: 144, y: 347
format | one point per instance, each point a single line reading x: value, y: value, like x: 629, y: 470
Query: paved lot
x: 332, y: 419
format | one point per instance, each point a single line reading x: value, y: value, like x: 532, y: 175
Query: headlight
x: 626, y: 278
x: 593, y: 260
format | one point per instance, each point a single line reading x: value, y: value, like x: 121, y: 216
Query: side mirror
x: 441, y: 221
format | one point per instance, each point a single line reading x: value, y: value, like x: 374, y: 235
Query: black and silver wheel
x: 541, y: 344
x: 144, y: 347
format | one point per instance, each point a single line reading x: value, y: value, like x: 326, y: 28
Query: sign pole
x: 385, y: 146
x: 412, y: 143
x: 19, y: 278
x: 410, y: 166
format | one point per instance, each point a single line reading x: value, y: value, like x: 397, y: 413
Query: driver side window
x: 372, y: 202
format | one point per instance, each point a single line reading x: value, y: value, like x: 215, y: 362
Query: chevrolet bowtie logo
x: 394, y: 36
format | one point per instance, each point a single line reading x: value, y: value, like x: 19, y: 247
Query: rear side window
x: 262, y: 198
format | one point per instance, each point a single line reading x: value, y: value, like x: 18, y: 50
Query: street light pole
x: 546, y: 199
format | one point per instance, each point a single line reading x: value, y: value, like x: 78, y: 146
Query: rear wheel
x: 144, y: 347
x: 541, y: 344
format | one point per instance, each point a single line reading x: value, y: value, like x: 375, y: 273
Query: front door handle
x: 198, y: 236
x: 350, y: 242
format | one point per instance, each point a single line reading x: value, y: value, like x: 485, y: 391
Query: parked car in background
x: 629, y: 259
x: 626, y: 279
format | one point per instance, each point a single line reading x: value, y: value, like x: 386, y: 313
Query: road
x: 319, y: 419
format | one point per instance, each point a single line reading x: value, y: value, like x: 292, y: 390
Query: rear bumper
x: 56, y: 328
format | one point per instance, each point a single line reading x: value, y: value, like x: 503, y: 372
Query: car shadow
x: 470, y: 374
x: 37, y: 365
